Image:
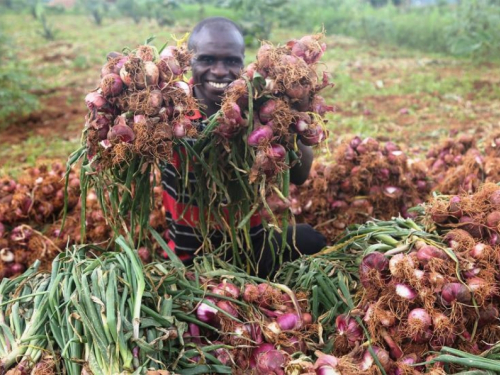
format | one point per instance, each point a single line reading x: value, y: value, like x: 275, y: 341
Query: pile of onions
x: 421, y: 300
x: 139, y: 107
x: 31, y: 216
x: 362, y: 178
x: 264, y: 324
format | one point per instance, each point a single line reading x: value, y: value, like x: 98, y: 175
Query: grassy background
x: 394, y: 73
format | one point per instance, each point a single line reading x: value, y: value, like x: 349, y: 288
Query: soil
x: 56, y: 117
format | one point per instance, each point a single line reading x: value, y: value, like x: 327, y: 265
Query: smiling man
x: 218, y: 58
x: 219, y: 53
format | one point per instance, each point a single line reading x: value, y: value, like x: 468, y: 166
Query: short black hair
x: 212, y: 22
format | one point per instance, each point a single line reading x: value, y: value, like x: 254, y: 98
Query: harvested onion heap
x: 111, y: 314
x: 439, y: 294
x: 27, y: 205
x: 458, y: 165
x: 31, y: 219
x: 135, y: 118
x: 254, y: 138
x: 364, y: 178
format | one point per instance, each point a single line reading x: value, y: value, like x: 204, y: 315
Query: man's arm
x: 300, y: 172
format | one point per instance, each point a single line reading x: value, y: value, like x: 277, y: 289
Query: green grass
x: 34, y: 150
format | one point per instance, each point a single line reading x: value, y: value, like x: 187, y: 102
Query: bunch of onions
x: 149, y: 84
x: 282, y: 330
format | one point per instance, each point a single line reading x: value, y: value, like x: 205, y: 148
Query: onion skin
x: 266, y: 111
x: 455, y: 292
x: 428, y: 252
x: 259, y: 136
x: 95, y: 100
x: 289, y: 321
x: 121, y: 133
x: 111, y: 84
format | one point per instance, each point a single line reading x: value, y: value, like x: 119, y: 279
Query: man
x: 218, y: 57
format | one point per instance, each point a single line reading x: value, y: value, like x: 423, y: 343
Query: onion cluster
x: 425, y: 298
x: 285, y: 84
x: 262, y: 324
x: 31, y: 209
x: 140, y: 107
x: 363, y: 178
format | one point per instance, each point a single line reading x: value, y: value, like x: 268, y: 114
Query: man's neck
x: 207, y: 107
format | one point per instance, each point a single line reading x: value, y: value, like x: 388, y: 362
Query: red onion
x: 488, y: 315
x: 289, y: 322
x: 428, y: 252
x: 372, y: 262
x: 266, y: 111
x: 469, y: 225
x: 206, y: 313
x: 250, y: 293
x: 261, y: 135
x: 313, y: 135
x: 307, y: 318
x: 111, y: 84
x: 405, y: 292
x: 320, y: 107
x: 419, y: 319
x: 144, y: 254
x: 184, y: 87
x: 454, y: 207
x: 326, y: 365
x: 6, y: 255
x: 169, y: 51
x: 493, y: 220
x: 271, y: 362
x: 229, y: 289
x: 397, y: 260
x: 228, y: 307
x: 261, y: 349
x: 146, y: 53
x: 392, y: 192
x: 455, y: 292
x: 121, y: 133
x: 422, y: 337
x: 297, y: 91
x: 152, y: 73
x: 302, y: 123
x: 277, y: 152
x: 367, y: 360
x: 395, y: 351
x: 308, y: 48
x: 169, y: 68
x: 350, y: 328
x: 95, y: 100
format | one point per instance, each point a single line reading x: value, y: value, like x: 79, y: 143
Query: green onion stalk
x: 24, y: 337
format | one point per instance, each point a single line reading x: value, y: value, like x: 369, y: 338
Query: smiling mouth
x: 217, y: 85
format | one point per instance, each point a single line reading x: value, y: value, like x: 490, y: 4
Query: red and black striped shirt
x: 182, y: 213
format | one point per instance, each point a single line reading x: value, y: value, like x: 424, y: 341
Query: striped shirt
x: 182, y: 214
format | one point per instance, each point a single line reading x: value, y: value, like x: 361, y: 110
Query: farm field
x: 405, y: 191
x: 385, y: 92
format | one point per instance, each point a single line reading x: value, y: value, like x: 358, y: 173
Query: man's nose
x: 219, y: 68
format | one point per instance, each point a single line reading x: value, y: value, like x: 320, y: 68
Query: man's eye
x: 233, y: 61
x: 205, y: 60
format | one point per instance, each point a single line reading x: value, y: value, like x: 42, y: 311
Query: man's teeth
x: 217, y: 85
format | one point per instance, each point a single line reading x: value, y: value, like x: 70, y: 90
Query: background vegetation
x: 428, y: 61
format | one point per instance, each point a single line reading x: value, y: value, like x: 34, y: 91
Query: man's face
x: 218, y: 60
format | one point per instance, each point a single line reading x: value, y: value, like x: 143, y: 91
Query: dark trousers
x: 307, y: 241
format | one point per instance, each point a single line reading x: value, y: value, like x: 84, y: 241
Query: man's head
x: 219, y: 51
